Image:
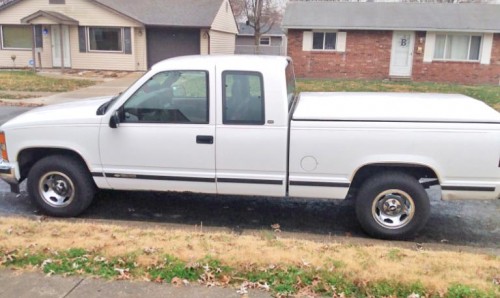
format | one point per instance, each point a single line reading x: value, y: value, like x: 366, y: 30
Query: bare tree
x: 261, y: 15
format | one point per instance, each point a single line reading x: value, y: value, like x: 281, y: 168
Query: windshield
x: 104, y: 107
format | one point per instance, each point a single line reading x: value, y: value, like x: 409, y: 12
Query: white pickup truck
x: 234, y: 125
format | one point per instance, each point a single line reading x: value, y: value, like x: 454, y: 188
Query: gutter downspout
x: 62, y: 47
x: 33, y: 55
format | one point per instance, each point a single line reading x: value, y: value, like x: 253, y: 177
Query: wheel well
x: 28, y: 157
x: 417, y: 171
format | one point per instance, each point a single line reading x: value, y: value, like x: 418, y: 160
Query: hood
x: 72, y: 113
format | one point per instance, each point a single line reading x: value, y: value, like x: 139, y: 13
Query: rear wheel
x: 392, y: 206
x: 60, y: 186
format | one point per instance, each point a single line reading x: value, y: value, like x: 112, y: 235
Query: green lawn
x: 488, y: 94
x: 27, y: 81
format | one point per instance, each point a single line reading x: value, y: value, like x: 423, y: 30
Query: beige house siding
x: 224, y: 21
x: 89, y: 60
x: 45, y: 21
x: 222, y: 42
x: 88, y: 14
x: 219, y: 39
x: 22, y: 58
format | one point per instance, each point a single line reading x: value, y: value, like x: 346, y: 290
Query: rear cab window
x: 243, y: 98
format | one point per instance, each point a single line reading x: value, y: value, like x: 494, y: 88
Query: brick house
x: 457, y: 43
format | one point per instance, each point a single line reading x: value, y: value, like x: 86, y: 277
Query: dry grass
x: 8, y: 95
x: 436, y: 270
x: 31, y: 82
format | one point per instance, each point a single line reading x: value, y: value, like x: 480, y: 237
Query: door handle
x: 204, y: 139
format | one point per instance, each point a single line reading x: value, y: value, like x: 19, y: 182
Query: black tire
x: 61, y: 186
x: 392, y: 205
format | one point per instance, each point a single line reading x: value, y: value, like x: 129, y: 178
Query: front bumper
x: 8, y: 174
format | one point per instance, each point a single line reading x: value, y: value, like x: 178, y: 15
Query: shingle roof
x: 245, y: 29
x: 467, y: 17
x: 180, y: 13
x: 6, y: 3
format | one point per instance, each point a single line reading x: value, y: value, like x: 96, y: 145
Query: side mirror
x: 114, y: 120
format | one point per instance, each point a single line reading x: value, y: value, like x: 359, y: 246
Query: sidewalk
x: 29, y: 284
x: 108, y: 87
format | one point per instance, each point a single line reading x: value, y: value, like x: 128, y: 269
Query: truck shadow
x: 236, y: 213
x: 447, y: 224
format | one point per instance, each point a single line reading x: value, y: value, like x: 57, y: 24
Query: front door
x: 165, y: 138
x: 402, y: 53
x: 56, y: 45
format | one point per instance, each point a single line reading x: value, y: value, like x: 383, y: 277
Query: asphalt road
x: 474, y: 224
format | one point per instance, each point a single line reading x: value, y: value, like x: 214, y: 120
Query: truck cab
x: 204, y: 125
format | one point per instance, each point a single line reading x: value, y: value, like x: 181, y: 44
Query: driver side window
x: 170, y: 97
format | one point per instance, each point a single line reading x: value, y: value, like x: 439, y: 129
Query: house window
x: 265, y: 41
x: 105, y: 39
x: 324, y: 40
x: 457, y: 47
x: 17, y: 37
x: 242, y: 98
x: 57, y: 1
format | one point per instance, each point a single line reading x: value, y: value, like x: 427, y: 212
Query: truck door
x: 251, y: 146
x: 165, y: 137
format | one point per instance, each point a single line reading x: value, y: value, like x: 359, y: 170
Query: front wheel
x: 60, y: 186
x: 392, y: 206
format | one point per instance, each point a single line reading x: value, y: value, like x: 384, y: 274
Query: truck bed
x: 392, y: 107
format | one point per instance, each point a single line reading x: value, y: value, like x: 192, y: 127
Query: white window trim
x: 324, y: 36
x: 122, y: 33
x: 265, y: 45
x: 340, y: 46
x: 468, y: 50
x: 12, y: 49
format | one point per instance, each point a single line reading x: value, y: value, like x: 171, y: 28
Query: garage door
x: 168, y: 43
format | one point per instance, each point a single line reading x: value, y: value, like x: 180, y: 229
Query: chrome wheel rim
x: 56, y: 189
x: 393, y: 209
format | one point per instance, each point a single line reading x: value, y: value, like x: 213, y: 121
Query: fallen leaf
x: 224, y: 279
x: 100, y: 259
x: 124, y: 273
x: 265, y: 287
x: 149, y: 250
x: 176, y: 281
x: 496, y: 280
